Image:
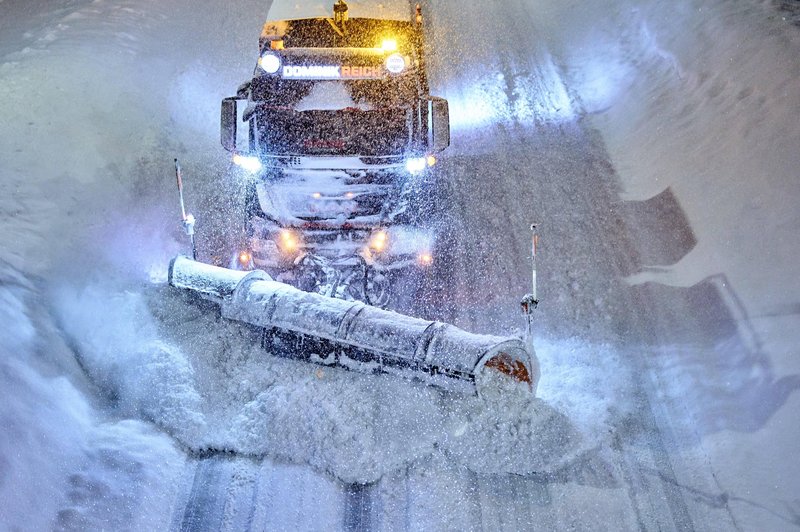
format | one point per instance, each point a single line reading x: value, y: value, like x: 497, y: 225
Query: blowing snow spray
x: 186, y: 218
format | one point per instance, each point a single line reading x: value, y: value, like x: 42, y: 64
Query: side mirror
x: 438, y: 124
x: 228, y: 121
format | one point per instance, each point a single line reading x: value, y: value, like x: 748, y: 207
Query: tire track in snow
x: 204, y: 509
x: 227, y: 492
x: 358, y: 507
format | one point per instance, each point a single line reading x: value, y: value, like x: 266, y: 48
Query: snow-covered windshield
x: 367, y: 117
x: 351, y: 131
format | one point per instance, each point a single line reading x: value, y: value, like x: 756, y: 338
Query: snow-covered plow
x: 353, y: 335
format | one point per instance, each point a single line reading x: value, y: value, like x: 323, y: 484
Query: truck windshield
x: 351, y: 131
x: 345, y: 117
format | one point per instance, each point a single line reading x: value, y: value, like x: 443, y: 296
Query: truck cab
x: 335, y: 127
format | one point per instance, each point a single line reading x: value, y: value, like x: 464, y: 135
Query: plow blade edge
x: 353, y: 335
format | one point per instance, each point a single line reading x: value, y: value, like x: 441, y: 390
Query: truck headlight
x: 416, y: 165
x: 251, y: 164
x: 269, y: 62
x: 245, y: 259
x: 395, y: 63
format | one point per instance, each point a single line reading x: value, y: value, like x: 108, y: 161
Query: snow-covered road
x: 646, y: 238
x: 657, y: 147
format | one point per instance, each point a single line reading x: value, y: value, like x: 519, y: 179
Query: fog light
x: 425, y: 259
x: 379, y: 241
x: 288, y: 241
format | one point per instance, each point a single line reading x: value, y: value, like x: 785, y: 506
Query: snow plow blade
x: 353, y: 335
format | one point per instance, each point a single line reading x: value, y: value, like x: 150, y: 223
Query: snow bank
x: 42, y: 416
x: 98, y: 98
x: 125, y: 480
x: 590, y: 383
x: 701, y: 97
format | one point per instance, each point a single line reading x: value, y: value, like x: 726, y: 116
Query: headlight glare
x: 395, y: 63
x: 269, y: 62
x: 289, y: 241
x: 379, y: 241
x: 416, y: 165
x: 249, y: 163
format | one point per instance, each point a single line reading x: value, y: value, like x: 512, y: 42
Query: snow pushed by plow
x: 67, y: 462
x: 206, y: 381
x: 126, y: 358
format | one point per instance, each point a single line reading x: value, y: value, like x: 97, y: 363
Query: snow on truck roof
x: 297, y: 9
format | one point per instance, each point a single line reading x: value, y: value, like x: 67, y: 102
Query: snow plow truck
x: 335, y: 132
x: 339, y: 131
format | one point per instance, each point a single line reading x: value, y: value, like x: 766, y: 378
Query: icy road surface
x: 657, y: 146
